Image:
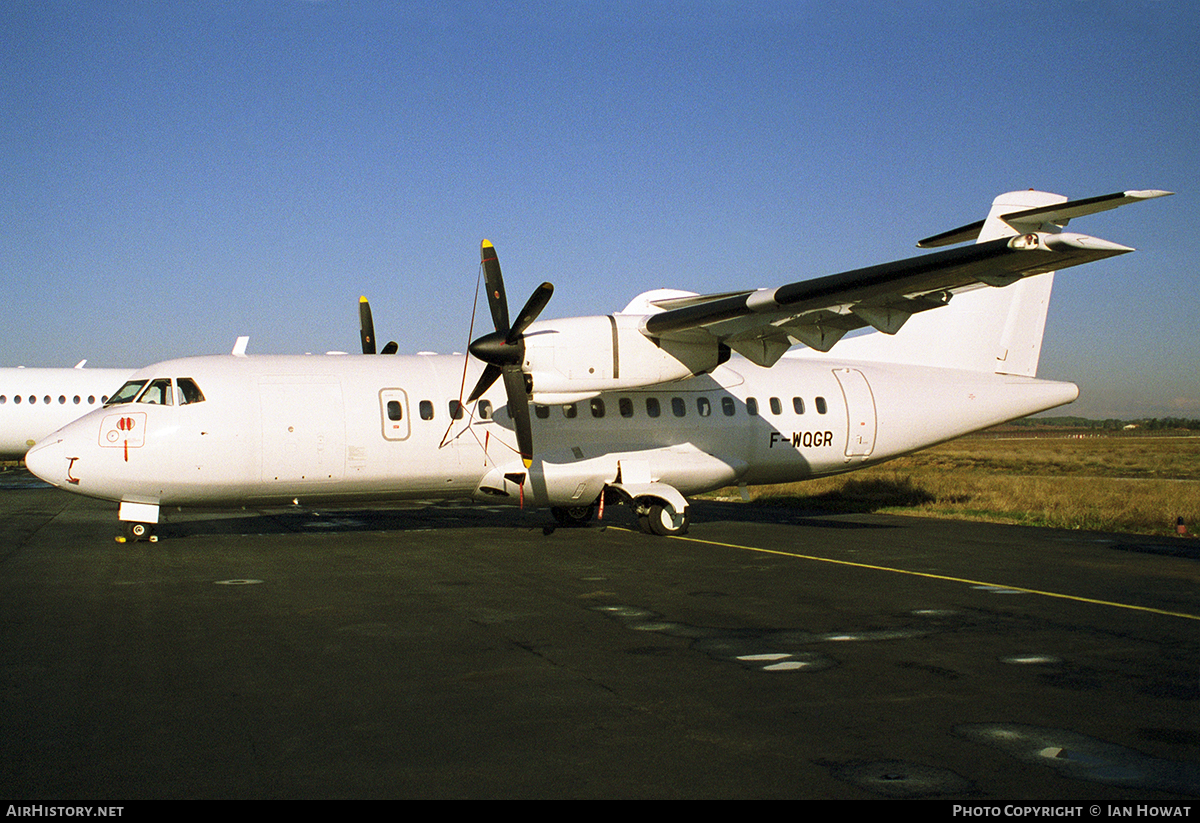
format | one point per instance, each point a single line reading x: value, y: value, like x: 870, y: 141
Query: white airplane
x: 676, y: 395
x: 35, y: 402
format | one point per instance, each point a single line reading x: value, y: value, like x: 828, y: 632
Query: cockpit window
x: 188, y: 391
x: 126, y: 393
x: 158, y: 393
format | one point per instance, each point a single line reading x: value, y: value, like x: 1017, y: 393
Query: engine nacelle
x: 579, y: 357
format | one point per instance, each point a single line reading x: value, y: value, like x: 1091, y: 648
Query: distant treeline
x: 1144, y: 424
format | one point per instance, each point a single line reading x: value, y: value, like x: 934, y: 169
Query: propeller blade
x: 533, y: 307
x: 366, y: 328
x: 518, y: 410
x: 490, y: 373
x: 497, y: 301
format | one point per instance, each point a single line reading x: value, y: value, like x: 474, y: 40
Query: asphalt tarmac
x: 461, y: 651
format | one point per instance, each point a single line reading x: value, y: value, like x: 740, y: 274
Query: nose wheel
x: 132, y: 532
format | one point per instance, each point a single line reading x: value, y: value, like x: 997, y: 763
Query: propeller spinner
x: 504, y: 349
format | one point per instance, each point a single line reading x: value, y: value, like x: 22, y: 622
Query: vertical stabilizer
x: 989, y: 329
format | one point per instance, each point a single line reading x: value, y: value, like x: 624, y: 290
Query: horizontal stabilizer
x: 1057, y: 213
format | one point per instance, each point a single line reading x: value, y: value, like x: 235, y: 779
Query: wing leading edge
x: 763, y: 324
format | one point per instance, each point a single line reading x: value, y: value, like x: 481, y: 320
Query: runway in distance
x: 675, y: 395
x: 35, y: 402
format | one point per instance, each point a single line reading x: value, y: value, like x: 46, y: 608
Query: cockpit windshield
x: 158, y: 392
x: 126, y: 393
x: 188, y: 391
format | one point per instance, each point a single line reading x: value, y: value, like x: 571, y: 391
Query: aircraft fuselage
x: 340, y: 429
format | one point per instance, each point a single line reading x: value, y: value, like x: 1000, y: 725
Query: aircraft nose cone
x: 47, y: 461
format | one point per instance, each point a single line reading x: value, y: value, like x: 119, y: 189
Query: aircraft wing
x: 763, y: 324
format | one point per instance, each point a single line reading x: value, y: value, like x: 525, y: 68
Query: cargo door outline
x: 303, y: 429
x: 860, y: 412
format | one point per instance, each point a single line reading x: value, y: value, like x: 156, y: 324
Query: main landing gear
x: 662, y: 520
x: 654, y: 516
x: 132, y: 532
x: 573, y: 515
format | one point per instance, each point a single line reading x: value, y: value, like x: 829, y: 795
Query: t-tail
x: 990, y: 329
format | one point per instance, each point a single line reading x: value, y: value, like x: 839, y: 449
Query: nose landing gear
x: 132, y: 532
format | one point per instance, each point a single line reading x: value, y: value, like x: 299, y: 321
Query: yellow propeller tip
x: 362, y: 299
x: 486, y: 244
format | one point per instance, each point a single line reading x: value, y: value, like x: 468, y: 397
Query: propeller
x: 366, y: 327
x: 504, y: 349
x: 366, y: 330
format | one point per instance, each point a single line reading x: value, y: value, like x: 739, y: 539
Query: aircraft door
x: 860, y: 412
x: 394, y: 413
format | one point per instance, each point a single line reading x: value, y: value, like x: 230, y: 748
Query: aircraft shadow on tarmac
x: 427, y: 516
x: 432, y: 516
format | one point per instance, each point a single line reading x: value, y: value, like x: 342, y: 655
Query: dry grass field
x: 1116, y: 483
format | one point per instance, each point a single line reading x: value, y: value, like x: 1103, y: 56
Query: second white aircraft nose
x: 47, y: 460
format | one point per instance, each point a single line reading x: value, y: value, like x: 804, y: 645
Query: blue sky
x: 177, y: 174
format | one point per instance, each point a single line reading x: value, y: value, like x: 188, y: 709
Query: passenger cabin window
x: 703, y: 406
x: 798, y: 405
x: 625, y: 407
x: 678, y: 407
x: 394, y: 410
x: 456, y: 410
x: 652, y: 409
x: 751, y: 406
x: 597, y: 407
x: 776, y: 406
x: 542, y: 412
x: 728, y: 406
x: 821, y: 408
x: 570, y: 411
x: 485, y: 409
x: 426, y: 409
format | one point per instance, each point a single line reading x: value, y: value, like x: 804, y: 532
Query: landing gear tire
x: 660, y: 520
x: 573, y: 515
x: 133, y: 531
